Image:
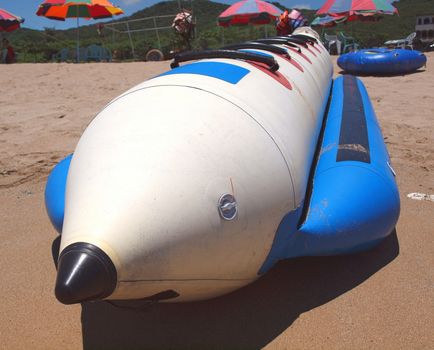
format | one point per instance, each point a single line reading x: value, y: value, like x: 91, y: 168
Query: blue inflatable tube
x: 353, y: 202
x: 382, y: 61
x: 55, y: 193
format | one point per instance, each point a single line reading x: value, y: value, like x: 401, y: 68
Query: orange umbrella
x: 62, y: 9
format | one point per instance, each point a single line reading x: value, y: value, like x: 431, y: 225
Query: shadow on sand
x: 249, y: 318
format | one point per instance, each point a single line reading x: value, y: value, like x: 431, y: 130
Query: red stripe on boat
x: 315, y: 47
x: 294, y: 63
x: 300, y: 53
x: 275, y: 75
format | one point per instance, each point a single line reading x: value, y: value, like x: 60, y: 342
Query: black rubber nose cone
x: 84, y: 273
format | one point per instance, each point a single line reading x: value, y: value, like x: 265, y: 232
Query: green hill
x: 38, y: 46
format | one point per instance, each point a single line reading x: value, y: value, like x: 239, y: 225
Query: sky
x: 27, y: 9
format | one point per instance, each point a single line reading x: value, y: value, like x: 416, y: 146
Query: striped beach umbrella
x: 328, y: 21
x: 354, y: 8
x: 62, y: 9
x: 341, y: 11
x: 331, y: 21
x: 249, y: 12
x: 9, y: 22
x: 89, y: 9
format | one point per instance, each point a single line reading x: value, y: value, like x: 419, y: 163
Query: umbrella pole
x: 131, y: 41
x: 78, y: 41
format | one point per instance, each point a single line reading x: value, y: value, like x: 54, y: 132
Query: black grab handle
x: 259, y: 46
x: 278, y: 41
x: 297, y: 41
x: 292, y: 39
x: 250, y: 56
x: 306, y: 38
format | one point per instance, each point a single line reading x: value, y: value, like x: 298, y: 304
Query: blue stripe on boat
x: 219, y: 70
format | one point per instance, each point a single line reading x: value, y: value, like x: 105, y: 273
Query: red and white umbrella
x: 9, y: 22
x: 354, y: 8
x: 249, y: 12
x: 340, y: 11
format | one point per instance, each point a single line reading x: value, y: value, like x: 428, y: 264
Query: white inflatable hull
x: 147, y: 175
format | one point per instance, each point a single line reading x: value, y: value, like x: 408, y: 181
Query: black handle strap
x: 306, y: 38
x: 278, y: 41
x: 258, y: 46
x: 232, y: 54
x: 292, y: 39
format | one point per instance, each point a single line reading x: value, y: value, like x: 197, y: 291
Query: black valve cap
x: 85, y: 273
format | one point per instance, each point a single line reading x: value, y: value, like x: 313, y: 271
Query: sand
x: 381, y: 299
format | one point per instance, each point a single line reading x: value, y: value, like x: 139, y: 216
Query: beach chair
x: 83, y: 54
x: 402, y: 43
x: 349, y: 43
x: 98, y: 53
x: 330, y: 41
x: 106, y: 54
x: 61, y: 56
x: 93, y: 53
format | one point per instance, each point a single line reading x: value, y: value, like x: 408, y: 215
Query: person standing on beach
x: 8, y: 53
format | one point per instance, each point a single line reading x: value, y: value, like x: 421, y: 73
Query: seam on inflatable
x: 223, y: 98
x: 186, y: 280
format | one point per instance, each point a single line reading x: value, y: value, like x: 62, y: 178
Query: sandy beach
x: 380, y: 299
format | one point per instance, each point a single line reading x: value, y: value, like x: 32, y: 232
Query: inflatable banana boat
x: 382, y: 61
x: 196, y: 182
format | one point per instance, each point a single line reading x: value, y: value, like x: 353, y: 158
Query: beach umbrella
x: 342, y: 11
x: 249, y: 12
x: 9, y: 22
x: 353, y: 9
x: 89, y: 9
x: 328, y: 21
